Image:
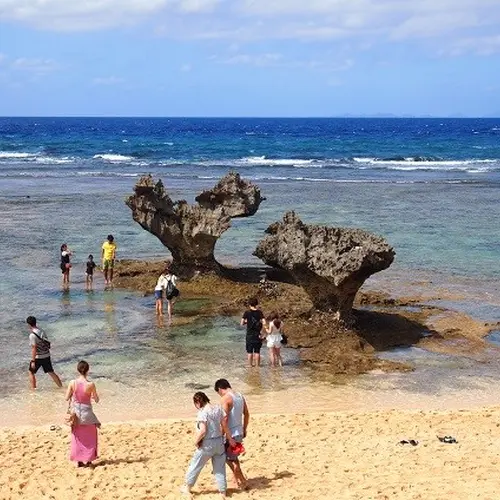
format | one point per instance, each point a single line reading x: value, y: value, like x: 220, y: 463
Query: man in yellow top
x: 108, y: 258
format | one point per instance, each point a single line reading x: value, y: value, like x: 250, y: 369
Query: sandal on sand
x: 409, y: 441
x: 447, y: 439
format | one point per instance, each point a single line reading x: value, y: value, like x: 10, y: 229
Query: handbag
x: 71, y: 418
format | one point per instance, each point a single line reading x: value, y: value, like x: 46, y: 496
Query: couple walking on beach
x: 219, y: 437
x: 259, y: 329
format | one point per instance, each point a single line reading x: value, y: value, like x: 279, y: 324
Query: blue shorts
x: 158, y: 294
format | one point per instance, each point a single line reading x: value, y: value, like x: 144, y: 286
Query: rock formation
x: 191, y: 231
x: 330, y: 263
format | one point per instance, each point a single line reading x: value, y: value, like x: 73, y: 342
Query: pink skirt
x: 83, y: 443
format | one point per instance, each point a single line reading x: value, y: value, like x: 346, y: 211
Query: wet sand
x: 321, y: 455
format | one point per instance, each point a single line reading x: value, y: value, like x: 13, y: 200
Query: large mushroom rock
x: 191, y: 231
x: 239, y: 197
x: 330, y: 263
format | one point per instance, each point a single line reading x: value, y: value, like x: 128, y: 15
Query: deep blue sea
x: 431, y: 187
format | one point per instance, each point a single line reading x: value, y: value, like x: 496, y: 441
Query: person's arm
x: 114, y: 253
x: 69, y: 392
x: 102, y: 252
x: 93, y: 392
x: 202, y: 431
x: 33, y: 347
x: 243, y: 321
x: 227, y: 406
x: 246, y: 417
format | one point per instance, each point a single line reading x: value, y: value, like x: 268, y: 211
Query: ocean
x: 431, y: 187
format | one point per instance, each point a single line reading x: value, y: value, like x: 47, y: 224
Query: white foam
x: 8, y: 154
x: 262, y: 160
x: 112, y: 157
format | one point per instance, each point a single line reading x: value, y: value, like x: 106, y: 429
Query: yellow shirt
x: 109, y: 250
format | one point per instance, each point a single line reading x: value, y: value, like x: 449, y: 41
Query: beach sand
x: 341, y: 455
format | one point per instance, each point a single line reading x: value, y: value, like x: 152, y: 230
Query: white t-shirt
x: 161, y: 283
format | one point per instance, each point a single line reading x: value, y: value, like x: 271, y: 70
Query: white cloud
x: 276, y: 60
x: 107, y: 80
x: 252, y: 59
x: 482, y: 46
x: 34, y: 65
x: 87, y: 15
x: 361, y: 21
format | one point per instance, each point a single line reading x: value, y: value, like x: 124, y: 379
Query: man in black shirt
x: 254, y: 319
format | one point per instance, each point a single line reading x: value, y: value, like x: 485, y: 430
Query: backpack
x: 45, y: 342
x: 169, y: 290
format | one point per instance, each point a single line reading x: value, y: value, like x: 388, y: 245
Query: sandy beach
x: 342, y: 455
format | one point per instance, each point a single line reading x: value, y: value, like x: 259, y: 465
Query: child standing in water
x: 89, y: 273
x: 274, y: 337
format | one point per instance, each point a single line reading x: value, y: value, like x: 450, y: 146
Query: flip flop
x: 447, y: 439
x: 413, y: 442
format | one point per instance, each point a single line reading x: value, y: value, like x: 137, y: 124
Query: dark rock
x: 239, y: 197
x: 330, y: 263
x: 191, y: 231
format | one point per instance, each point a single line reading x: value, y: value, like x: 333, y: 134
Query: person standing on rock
x: 40, y: 353
x: 108, y: 259
x: 253, y: 318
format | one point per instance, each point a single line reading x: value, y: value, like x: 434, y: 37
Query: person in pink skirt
x: 80, y: 394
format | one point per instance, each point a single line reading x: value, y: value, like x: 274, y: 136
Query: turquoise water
x: 430, y: 187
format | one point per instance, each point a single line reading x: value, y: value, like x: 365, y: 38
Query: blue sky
x: 249, y: 57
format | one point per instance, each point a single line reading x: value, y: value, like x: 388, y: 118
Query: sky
x: 249, y: 57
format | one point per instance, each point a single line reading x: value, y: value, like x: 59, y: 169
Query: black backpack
x: 45, y: 342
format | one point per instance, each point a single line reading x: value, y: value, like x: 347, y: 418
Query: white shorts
x: 273, y: 341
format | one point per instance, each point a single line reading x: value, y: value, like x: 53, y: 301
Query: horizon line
x: 217, y: 117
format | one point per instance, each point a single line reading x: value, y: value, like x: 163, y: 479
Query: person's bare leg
x: 240, y: 478
x: 250, y: 359
x: 56, y: 379
x: 278, y: 356
x: 111, y: 271
x: 105, y: 272
x: 257, y: 359
x: 32, y: 380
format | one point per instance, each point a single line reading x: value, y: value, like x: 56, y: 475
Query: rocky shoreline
x: 379, y: 322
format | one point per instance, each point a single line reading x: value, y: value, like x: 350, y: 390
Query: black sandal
x: 447, y: 439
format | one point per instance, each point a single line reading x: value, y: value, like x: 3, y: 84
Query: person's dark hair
x: 110, y: 237
x: 253, y: 302
x: 272, y: 316
x: 82, y: 367
x: 222, y: 383
x: 201, y: 399
x: 31, y: 320
x: 277, y: 323
x: 91, y: 257
x: 63, y: 246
